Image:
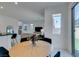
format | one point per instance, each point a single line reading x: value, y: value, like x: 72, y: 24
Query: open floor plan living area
x: 39, y: 29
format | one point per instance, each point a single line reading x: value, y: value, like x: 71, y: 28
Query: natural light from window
x: 56, y: 23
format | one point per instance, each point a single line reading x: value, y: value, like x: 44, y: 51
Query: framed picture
x: 20, y: 27
x: 20, y: 30
x: 25, y: 28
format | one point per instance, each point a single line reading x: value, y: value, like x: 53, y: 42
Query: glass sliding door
x: 75, y: 13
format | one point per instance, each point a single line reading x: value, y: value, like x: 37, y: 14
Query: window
x: 56, y: 23
x: 76, y: 15
x: 9, y: 29
x: 75, y: 30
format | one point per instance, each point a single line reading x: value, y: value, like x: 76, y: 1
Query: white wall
x: 5, y: 21
x: 58, y: 41
x: 69, y: 27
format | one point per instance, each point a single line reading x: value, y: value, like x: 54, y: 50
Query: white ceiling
x: 27, y: 10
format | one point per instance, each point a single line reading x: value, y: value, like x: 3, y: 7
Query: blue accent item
x: 57, y: 54
x: 4, y: 52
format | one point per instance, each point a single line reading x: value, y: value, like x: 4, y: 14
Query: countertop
x: 5, y: 34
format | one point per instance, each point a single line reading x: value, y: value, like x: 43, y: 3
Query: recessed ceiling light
x: 31, y: 24
x: 16, y: 3
x: 1, y: 7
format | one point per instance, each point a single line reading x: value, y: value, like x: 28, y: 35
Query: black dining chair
x: 14, y: 36
x: 47, y: 40
x: 23, y: 39
x: 14, y: 40
x: 4, y: 52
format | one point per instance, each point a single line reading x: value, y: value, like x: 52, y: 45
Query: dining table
x: 27, y: 49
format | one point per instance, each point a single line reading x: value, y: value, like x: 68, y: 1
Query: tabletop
x: 26, y: 49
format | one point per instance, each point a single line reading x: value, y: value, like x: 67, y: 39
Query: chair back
x: 47, y: 40
x: 14, y: 36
